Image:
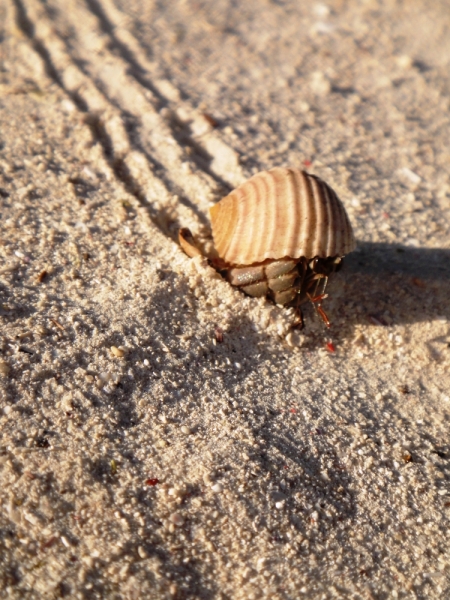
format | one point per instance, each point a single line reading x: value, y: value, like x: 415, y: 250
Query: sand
x: 163, y: 435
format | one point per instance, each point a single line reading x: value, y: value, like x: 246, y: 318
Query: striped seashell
x: 283, y: 212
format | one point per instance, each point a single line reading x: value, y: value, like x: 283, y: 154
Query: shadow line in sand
x: 378, y: 259
x: 164, y: 219
x: 180, y: 130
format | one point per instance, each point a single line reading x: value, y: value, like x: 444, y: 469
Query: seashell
x: 284, y: 212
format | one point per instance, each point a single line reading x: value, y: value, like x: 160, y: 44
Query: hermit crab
x: 280, y: 234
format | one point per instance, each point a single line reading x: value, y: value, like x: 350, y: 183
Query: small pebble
x: 408, y: 176
x: 4, y: 368
x: 217, y: 488
x: 142, y: 552
x: 294, y: 339
x: 321, y: 10
x: 68, y: 106
x: 319, y: 84
x: 185, y: 429
x: 176, y: 519
x: 117, y: 352
x: 104, y: 378
x: 404, y: 61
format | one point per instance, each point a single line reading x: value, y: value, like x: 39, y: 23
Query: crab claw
x: 188, y: 243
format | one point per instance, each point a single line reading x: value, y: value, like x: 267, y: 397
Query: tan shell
x: 280, y: 213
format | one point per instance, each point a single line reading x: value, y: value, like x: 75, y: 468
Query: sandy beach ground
x: 162, y: 435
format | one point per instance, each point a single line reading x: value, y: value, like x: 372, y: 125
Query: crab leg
x: 317, y: 300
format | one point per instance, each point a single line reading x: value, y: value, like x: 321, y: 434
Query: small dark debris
x: 418, y: 283
x: 153, y: 481
x: 50, y: 542
x: 42, y: 275
x: 211, y: 120
x: 58, y: 325
x: 421, y: 66
x: 4, y: 193
x: 42, y: 442
x: 34, y: 195
x: 377, y: 320
x: 343, y: 90
x: 82, y: 188
x: 440, y: 453
x: 25, y: 350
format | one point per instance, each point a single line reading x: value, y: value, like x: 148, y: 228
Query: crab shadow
x: 384, y: 284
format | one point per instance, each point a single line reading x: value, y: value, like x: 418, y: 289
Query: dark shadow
x: 396, y: 284
x: 421, y: 66
x: 343, y: 91
x: 428, y: 264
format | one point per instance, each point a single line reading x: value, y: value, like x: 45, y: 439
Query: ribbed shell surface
x: 280, y: 213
